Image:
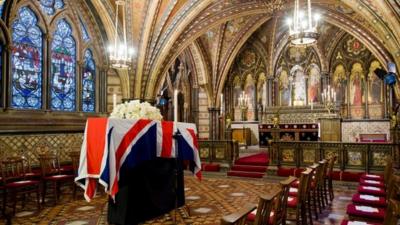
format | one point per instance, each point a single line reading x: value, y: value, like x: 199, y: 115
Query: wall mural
x: 248, y: 76
x: 298, y: 77
x: 354, y: 79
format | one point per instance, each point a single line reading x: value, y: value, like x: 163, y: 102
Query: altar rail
x: 350, y: 156
x: 219, y: 151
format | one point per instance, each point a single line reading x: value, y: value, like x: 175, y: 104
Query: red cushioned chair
x: 367, y: 212
x: 298, y: 203
x: 278, y: 212
x: 328, y: 181
x: 16, y: 184
x: 373, y: 183
x: 383, y: 178
x: 370, y: 190
x: 238, y: 218
x: 390, y: 218
x: 379, y: 201
x: 50, y: 169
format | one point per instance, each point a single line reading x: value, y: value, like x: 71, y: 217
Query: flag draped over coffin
x: 112, y: 146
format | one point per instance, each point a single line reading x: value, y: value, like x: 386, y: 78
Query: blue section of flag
x: 143, y: 150
x: 105, y: 174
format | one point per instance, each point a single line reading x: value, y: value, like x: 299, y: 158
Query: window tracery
x: 51, y: 6
x: 26, y: 60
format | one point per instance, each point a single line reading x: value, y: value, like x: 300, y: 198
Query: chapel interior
x: 273, y: 112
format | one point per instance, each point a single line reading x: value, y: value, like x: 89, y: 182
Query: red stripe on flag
x: 167, y: 129
x: 91, y: 188
x: 123, y: 147
x: 95, y: 141
x: 195, y: 143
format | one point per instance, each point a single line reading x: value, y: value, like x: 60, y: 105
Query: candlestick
x: 176, y: 105
x: 114, y: 101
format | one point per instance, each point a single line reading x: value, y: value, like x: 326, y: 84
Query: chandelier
x: 120, y: 53
x: 303, y: 26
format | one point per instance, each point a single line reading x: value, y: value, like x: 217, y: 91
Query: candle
x: 114, y: 101
x: 176, y: 105
x: 312, y: 105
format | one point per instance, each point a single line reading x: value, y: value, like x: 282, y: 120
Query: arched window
x: 63, y: 63
x: 1, y: 7
x: 88, y: 83
x: 26, y: 60
x: 51, y: 6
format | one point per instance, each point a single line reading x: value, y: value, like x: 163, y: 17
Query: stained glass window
x: 63, y: 61
x: 26, y: 59
x: 1, y: 7
x: 51, y: 6
x: 85, y: 34
x: 88, y: 83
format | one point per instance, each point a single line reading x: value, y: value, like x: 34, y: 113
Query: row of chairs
x: 376, y: 201
x: 18, y: 179
x: 313, y: 190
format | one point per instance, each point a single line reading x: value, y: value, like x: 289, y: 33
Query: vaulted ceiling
x: 213, y: 32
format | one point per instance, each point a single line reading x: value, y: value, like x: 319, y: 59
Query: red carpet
x: 253, y: 166
x: 336, y: 175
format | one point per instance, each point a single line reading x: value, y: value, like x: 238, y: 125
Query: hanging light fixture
x: 120, y: 53
x: 303, y: 26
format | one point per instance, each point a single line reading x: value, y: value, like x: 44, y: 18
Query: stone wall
x: 351, y: 130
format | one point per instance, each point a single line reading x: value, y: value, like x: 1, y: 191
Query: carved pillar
x: 385, y: 97
x: 213, y: 120
x: 123, y: 74
x: 348, y: 96
x: 366, y: 114
x: 102, y: 88
x: 6, y: 78
x: 46, y: 78
x: 255, y: 103
x: 78, y: 95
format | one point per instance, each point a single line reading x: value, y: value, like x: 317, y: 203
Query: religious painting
x: 63, y: 63
x: 374, y: 84
x: 287, y: 155
x: 308, y: 155
x: 26, y: 61
x: 237, y: 90
x: 248, y: 58
x: 356, y: 85
x: 261, y: 91
x: 329, y: 153
x: 284, y: 88
x: 354, y: 158
x: 249, y: 90
x: 299, y: 85
x: 379, y: 159
x: 314, y: 79
x: 339, y: 83
x: 220, y: 153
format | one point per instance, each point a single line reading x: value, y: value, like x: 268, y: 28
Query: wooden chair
x: 329, y: 177
x: 75, y: 156
x: 299, y: 202
x: 15, y: 183
x: 391, y: 217
x: 280, y: 215
x: 50, y: 170
x: 267, y: 207
x: 238, y: 218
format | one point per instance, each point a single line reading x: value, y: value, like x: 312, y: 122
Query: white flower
x: 136, y: 110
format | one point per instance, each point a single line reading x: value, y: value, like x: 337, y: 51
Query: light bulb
x: 289, y: 21
x: 317, y: 17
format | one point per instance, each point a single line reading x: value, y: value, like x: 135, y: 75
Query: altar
x: 139, y: 163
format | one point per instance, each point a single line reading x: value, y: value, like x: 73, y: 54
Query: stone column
x: 78, y: 93
x: 123, y: 74
x: 385, y: 103
x: 366, y: 114
x: 348, y: 96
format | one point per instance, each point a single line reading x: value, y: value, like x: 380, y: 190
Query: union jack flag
x: 112, y: 146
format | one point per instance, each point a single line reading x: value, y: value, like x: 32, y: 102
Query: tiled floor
x: 207, y: 201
